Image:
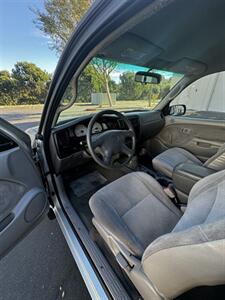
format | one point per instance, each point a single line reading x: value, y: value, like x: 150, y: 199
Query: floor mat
x: 81, y: 190
x: 87, y: 183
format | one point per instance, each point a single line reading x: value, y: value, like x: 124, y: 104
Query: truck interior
x: 144, y: 189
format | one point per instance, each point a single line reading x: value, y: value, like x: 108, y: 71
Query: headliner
x: 187, y: 36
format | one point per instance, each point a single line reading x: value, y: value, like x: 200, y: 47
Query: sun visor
x: 132, y: 49
x: 187, y: 66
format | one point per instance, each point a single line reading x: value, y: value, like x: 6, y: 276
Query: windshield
x: 108, y: 84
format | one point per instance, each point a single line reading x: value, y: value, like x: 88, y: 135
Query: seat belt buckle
x: 171, y: 193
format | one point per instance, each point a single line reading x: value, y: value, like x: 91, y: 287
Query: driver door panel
x: 22, y: 195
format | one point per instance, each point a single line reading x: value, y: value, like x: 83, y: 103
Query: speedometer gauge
x: 80, y: 130
x: 97, y: 127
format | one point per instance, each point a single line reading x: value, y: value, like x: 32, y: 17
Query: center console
x: 185, y: 176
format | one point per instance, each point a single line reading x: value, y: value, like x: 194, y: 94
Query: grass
x: 79, y: 109
x: 20, y: 113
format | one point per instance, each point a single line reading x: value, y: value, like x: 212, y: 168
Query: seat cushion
x: 135, y: 211
x: 166, y: 162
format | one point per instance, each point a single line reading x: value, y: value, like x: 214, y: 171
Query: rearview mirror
x: 177, y: 110
x: 147, y: 77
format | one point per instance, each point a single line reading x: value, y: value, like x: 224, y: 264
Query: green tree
x: 85, y: 87
x: 31, y: 83
x: 25, y: 84
x: 101, y: 70
x: 92, y: 81
x: 7, y: 89
x: 58, y: 21
x: 165, y: 87
x: 129, y: 89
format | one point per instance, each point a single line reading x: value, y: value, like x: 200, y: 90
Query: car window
x: 204, y: 98
x: 110, y: 84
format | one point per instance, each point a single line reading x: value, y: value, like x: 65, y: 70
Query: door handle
x: 204, y: 145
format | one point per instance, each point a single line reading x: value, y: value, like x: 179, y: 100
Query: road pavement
x: 23, y: 117
x: 41, y: 267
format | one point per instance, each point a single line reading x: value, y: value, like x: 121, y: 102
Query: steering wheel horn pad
x: 111, y: 144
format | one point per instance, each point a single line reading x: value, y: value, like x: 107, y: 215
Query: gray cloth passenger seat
x: 166, y: 162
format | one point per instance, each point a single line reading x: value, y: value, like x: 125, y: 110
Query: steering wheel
x: 112, y: 148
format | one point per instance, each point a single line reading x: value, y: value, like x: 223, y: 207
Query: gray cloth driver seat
x: 166, y: 162
x: 163, y: 252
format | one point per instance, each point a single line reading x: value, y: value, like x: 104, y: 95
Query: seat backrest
x: 206, y: 202
x: 217, y: 161
x: 193, y: 254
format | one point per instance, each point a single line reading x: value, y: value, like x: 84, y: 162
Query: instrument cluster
x: 80, y: 130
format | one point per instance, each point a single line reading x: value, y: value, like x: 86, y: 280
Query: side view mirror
x: 147, y: 77
x: 177, y: 110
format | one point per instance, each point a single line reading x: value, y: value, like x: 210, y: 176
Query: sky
x: 20, y: 40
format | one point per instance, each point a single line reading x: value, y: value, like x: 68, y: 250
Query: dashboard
x: 71, y: 138
x: 68, y: 141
